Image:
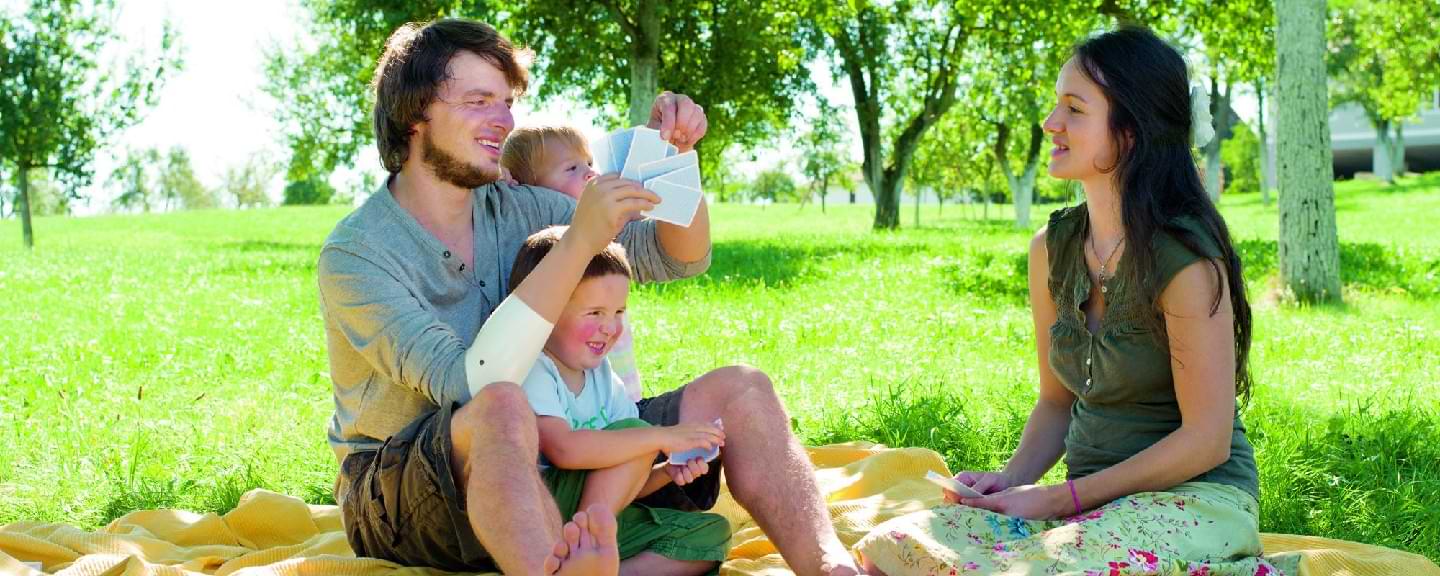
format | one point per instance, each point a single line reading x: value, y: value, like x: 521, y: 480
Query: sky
x: 215, y: 109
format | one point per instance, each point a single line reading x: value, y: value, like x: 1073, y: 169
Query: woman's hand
x: 982, y: 482
x: 1031, y: 502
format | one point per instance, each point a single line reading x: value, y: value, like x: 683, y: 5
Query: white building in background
x: 1352, y: 139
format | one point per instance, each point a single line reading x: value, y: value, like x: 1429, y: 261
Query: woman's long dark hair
x: 1148, y: 87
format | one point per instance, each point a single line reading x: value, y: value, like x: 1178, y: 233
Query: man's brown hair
x: 527, y: 151
x: 609, y: 261
x: 416, y: 61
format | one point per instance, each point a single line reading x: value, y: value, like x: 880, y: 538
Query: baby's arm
x: 591, y: 449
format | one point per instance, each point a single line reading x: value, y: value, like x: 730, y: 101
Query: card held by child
x: 639, y: 154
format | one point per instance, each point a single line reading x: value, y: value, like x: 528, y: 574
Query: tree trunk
x: 644, y: 63
x: 919, y: 193
x: 824, y: 187
x: 1267, y: 173
x: 24, y: 206
x: 1397, y: 150
x: 852, y: 196
x: 1022, y: 187
x: 1309, y: 247
x: 1220, y: 112
x: 1380, y: 162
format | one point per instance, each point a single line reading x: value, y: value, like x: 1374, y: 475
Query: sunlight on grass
x: 178, y: 360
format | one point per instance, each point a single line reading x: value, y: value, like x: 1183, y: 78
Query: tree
x: 903, y: 57
x: 322, y: 89
x: 1241, y: 158
x: 952, y: 159
x: 741, y: 60
x: 1239, y: 47
x: 58, y: 103
x: 774, y: 185
x: 1013, y: 70
x: 1384, y: 58
x: 248, y: 183
x: 1309, y: 247
x: 137, y: 181
x: 823, y: 148
x: 312, y: 190
x: 178, y: 181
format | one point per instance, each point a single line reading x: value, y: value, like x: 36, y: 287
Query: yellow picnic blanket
x: 274, y: 534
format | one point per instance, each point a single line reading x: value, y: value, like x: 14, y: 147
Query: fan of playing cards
x: 639, y: 154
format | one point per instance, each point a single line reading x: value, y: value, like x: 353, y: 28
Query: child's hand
x: 607, y: 204
x: 689, y: 436
x: 688, y: 472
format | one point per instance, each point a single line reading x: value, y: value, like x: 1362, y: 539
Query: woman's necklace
x: 1104, y: 274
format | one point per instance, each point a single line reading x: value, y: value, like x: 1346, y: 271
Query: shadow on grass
x: 1360, y: 474
x: 978, y: 273
x: 795, y: 260
x: 1363, y: 265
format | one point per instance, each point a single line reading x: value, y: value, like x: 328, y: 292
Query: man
x: 438, y: 445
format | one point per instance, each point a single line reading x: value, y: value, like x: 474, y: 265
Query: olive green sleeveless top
x: 1121, y: 378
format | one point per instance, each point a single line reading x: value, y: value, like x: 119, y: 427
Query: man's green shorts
x: 400, y: 503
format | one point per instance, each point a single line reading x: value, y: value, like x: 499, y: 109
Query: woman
x: 1142, y: 333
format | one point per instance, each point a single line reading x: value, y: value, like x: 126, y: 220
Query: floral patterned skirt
x: 1196, y: 528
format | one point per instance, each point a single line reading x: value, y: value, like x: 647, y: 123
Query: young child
x: 595, y: 448
x: 558, y: 158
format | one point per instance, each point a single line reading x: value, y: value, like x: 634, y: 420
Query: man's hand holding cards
x: 639, y: 154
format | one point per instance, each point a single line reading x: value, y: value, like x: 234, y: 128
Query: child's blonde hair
x: 524, y: 154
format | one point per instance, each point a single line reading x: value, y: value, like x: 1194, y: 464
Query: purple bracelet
x: 1073, y: 496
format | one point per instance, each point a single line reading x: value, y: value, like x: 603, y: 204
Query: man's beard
x: 453, y: 170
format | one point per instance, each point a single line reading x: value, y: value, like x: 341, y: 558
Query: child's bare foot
x: 589, y: 544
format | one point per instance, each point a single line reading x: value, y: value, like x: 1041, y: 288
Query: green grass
x: 178, y: 360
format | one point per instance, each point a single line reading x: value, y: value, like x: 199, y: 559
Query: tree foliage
x: 741, y: 60
x: 903, y: 61
x: 58, y: 101
x: 322, y: 89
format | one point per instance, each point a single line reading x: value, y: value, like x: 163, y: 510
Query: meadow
x: 178, y: 360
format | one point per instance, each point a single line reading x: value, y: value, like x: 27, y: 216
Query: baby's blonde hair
x: 524, y: 154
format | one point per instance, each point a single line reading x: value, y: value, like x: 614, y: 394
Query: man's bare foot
x: 590, y: 547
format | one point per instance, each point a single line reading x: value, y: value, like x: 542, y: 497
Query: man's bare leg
x: 616, y: 487
x: 767, y: 469
x: 494, y: 448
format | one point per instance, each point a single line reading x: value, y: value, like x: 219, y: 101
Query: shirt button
x: 482, y: 283
x: 1087, y: 382
x: 1087, y: 361
x: 446, y: 254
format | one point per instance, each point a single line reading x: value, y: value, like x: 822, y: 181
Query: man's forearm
x: 687, y: 244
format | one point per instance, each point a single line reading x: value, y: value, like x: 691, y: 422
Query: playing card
x: 619, y: 148
x: 645, y: 147
x: 677, y: 203
x: 664, y: 167
x: 600, y: 157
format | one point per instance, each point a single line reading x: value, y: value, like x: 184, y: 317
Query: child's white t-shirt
x: 600, y: 403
